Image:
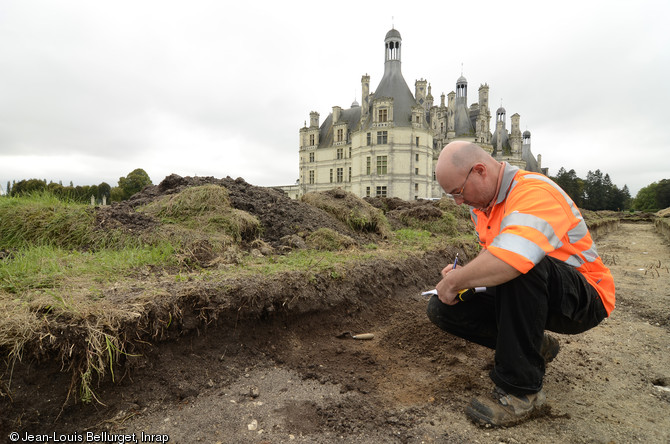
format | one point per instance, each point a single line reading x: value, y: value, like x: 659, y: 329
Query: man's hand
x: 485, y: 270
x: 446, y: 292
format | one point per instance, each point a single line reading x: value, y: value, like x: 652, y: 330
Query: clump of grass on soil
x: 43, y: 219
x: 328, y: 239
x: 353, y: 211
x: 429, y: 218
x: 202, y: 218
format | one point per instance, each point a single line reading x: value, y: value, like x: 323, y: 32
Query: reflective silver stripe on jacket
x: 532, y: 221
x: 578, y: 232
x: 520, y: 245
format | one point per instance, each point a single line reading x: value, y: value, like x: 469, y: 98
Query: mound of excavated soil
x: 286, y: 223
x: 282, y: 218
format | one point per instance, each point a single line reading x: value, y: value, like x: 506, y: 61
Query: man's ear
x: 480, y: 169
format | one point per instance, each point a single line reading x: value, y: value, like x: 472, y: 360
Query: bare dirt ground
x: 291, y: 379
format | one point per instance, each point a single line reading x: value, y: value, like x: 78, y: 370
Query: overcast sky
x: 91, y: 90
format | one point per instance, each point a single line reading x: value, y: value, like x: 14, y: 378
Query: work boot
x: 549, y: 348
x: 504, y: 409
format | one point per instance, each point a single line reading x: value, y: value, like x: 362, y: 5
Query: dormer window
x: 383, y: 115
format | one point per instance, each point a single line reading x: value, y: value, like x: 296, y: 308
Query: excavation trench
x: 271, y: 366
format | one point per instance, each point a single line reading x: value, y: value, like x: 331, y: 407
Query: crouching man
x: 541, y: 270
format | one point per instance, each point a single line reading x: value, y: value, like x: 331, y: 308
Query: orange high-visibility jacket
x: 533, y: 217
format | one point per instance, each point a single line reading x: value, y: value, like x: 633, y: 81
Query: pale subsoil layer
x: 293, y: 380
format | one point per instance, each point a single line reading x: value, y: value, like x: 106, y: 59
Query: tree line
x: 127, y: 186
x: 597, y: 192
x: 655, y: 196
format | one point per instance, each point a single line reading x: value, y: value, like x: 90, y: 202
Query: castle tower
x: 336, y: 114
x: 515, y: 135
x: 429, y: 98
x: 462, y: 90
x: 392, y: 43
x: 313, y: 119
x: 392, y: 92
x: 484, y: 118
x: 451, y: 104
x: 500, y: 139
x: 420, y: 91
x: 462, y: 124
x: 312, y: 133
x: 365, y: 95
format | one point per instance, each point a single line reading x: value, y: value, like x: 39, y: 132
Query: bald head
x: 458, y: 158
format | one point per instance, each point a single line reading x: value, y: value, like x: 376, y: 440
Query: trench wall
x: 662, y: 225
x: 599, y: 228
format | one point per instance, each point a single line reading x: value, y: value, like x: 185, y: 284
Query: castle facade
x: 388, y: 145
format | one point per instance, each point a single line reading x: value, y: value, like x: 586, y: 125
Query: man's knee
x: 469, y: 320
x: 433, y: 309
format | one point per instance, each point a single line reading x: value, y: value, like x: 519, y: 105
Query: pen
x: 455, y: 262
x: 434, y: 292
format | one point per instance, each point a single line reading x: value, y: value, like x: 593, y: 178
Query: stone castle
x: 388, y: 145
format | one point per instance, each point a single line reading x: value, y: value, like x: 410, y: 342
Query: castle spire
x: 392, y: 43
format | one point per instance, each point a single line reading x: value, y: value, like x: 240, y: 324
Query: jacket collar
x: 504, y: 186
x: 507, y: 179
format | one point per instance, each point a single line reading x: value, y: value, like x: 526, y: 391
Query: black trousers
x: 511, y: 318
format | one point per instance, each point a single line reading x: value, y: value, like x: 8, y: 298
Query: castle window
x: 340, y: 175
x: 349, y: 152
x: 416, y: 187
x: 416, y: 171
x: 331, y: 175
x: 367, y: 191
x: 367, y: 165
x: 382, y: 165
x: 382, y: 137
x: 416, y: 156
x: 311, y: 176
x: 369, y: 139
x: 417, y: 144
x: 311, y: 157
x: 340, y: 153
x: 311, y: 140
x: 381, y: 191
x: 340, y: 135
x: 349, y: 174
x: 383, y: 115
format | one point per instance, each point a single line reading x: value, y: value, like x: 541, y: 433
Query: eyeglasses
x: 459, y: 195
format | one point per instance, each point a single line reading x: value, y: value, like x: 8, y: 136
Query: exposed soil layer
x: 289, y: 378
